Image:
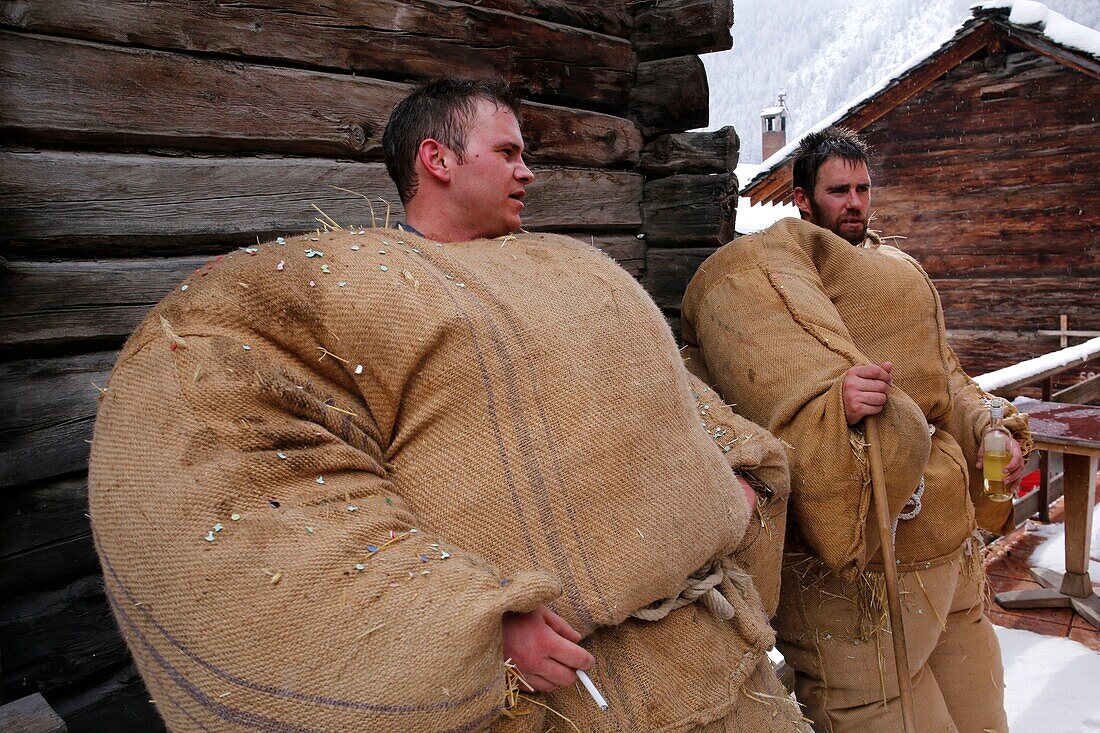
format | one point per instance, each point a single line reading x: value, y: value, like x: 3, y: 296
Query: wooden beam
x: 97, y: 304
x: 668, y: 272
x: 688, y: 210
x: 1083, y: 393
x: 61, y: 90
x: 1040, y: 44
x: 30, y: 714
x: 120, y: 704
x: 610, y: 17
x: 692, y: 152
x: 49, y: 408
x: 60, y: 638
x: 664, y: 28
x: 670, y: 95
x: 395, y: 40
x: 45, y: 537
x: 79, y: 203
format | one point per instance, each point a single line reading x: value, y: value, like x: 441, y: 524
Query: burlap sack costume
x: 774, y: 320
x: 325, y: 468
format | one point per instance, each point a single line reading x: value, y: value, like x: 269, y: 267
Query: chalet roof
x: 1022, y: 22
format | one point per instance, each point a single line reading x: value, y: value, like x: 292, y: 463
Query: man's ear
x: 802, y: 201
x: 436, y: 158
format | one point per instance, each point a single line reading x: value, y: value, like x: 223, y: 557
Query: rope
x: 702, y: 586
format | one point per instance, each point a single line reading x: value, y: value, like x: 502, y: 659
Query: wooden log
x: 99, y: 303
x: 59, y: 639
x: 50, y: 405
x: 56, y: 90
x: 1085, y: 392
x: 668, y: 272
x: 395, y: 40
x: 982, y: 351
x: 691, y: 152
x: 670, y: 95
x: 60, y: 202
x: 611, y: 18
x: 664, y: 28
x: 45, y: 536
x: 1019, y: 303
x: 30, y: 714
x: 688, y: 210
x: 119, y: 704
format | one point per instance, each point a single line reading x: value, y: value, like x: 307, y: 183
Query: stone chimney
x: 773, y: 126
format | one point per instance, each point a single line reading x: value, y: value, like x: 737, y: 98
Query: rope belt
x: 702, y: 586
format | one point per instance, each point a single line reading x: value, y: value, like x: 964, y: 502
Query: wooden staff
x: 890, y: 569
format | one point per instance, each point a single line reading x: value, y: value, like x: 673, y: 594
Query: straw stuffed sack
x: 325, y: 468
x: 777, y: 318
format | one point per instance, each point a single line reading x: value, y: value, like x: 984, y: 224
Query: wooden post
x: 890, y: 570
x: 1080, y: 472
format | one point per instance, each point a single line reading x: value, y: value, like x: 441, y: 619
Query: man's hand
x: 544, y: 649
x: 865, y: 389
x: 750, y: 492
x: 1014, y: 471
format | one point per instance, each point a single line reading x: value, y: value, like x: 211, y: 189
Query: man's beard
x: 856, y: 237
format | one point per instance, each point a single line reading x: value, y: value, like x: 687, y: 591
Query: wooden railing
x: 1044, y: 369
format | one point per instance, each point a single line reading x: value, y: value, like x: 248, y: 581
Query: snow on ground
x: 1052, y: 553
x: 1050, y: 683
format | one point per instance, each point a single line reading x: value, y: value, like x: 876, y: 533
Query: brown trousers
x: 844, y: 667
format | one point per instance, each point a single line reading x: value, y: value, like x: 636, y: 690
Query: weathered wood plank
x: 30, y: 714
x: 56, y: 202
x: 50, y: 406
x: 396, y: 40
x: 1085, y: 392
x: 45, y: 536
x: 664, y: 28
x: 610, y: 17
x: 54, y: 91
x: 119, y: 704
x: 692, y: 152
x: 688, y: 210
x: 1019, y: 303
x: 670, y: 95
x: 59, y: 638
x: 101, y: 302
x: 668, y: 272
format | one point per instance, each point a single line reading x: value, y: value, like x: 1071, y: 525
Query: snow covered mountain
x: 824, y: 52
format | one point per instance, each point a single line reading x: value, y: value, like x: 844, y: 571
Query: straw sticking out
x: 600, y: 702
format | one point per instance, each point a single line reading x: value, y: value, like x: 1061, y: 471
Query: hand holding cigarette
x: 544, y: 648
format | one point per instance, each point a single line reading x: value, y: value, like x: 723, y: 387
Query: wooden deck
x: 1007, y: 568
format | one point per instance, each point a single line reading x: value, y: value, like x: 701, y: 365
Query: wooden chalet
x: 985, y: 155
x: 140, y: 139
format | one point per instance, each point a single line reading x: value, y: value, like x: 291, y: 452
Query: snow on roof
x: 992, y: 381
x: 756, y: 218
x: 1054, y: 26
x: 768, y: 111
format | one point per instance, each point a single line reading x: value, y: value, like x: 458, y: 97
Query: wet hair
x: 817, y: 147
x: 441, y: 110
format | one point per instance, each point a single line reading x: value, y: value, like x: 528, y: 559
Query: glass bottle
x: 997, y: 454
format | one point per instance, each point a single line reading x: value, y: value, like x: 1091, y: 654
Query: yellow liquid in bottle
x: 993, y: 466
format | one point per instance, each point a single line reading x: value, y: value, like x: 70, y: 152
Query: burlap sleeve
x: 246, y: 515
x: 778, y: 350
x: 757, y: 456
x: 967, y: 423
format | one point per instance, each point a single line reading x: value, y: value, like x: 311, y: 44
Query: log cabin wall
x: 141, y: 138
x: 990, y: 175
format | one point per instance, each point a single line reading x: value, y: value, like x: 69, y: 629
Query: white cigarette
x: 600, y: 702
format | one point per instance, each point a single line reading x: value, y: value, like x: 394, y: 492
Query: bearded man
x: 811, y: 327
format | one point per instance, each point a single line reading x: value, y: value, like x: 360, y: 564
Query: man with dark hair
x: 812, y: 327
x: 392, y: 480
